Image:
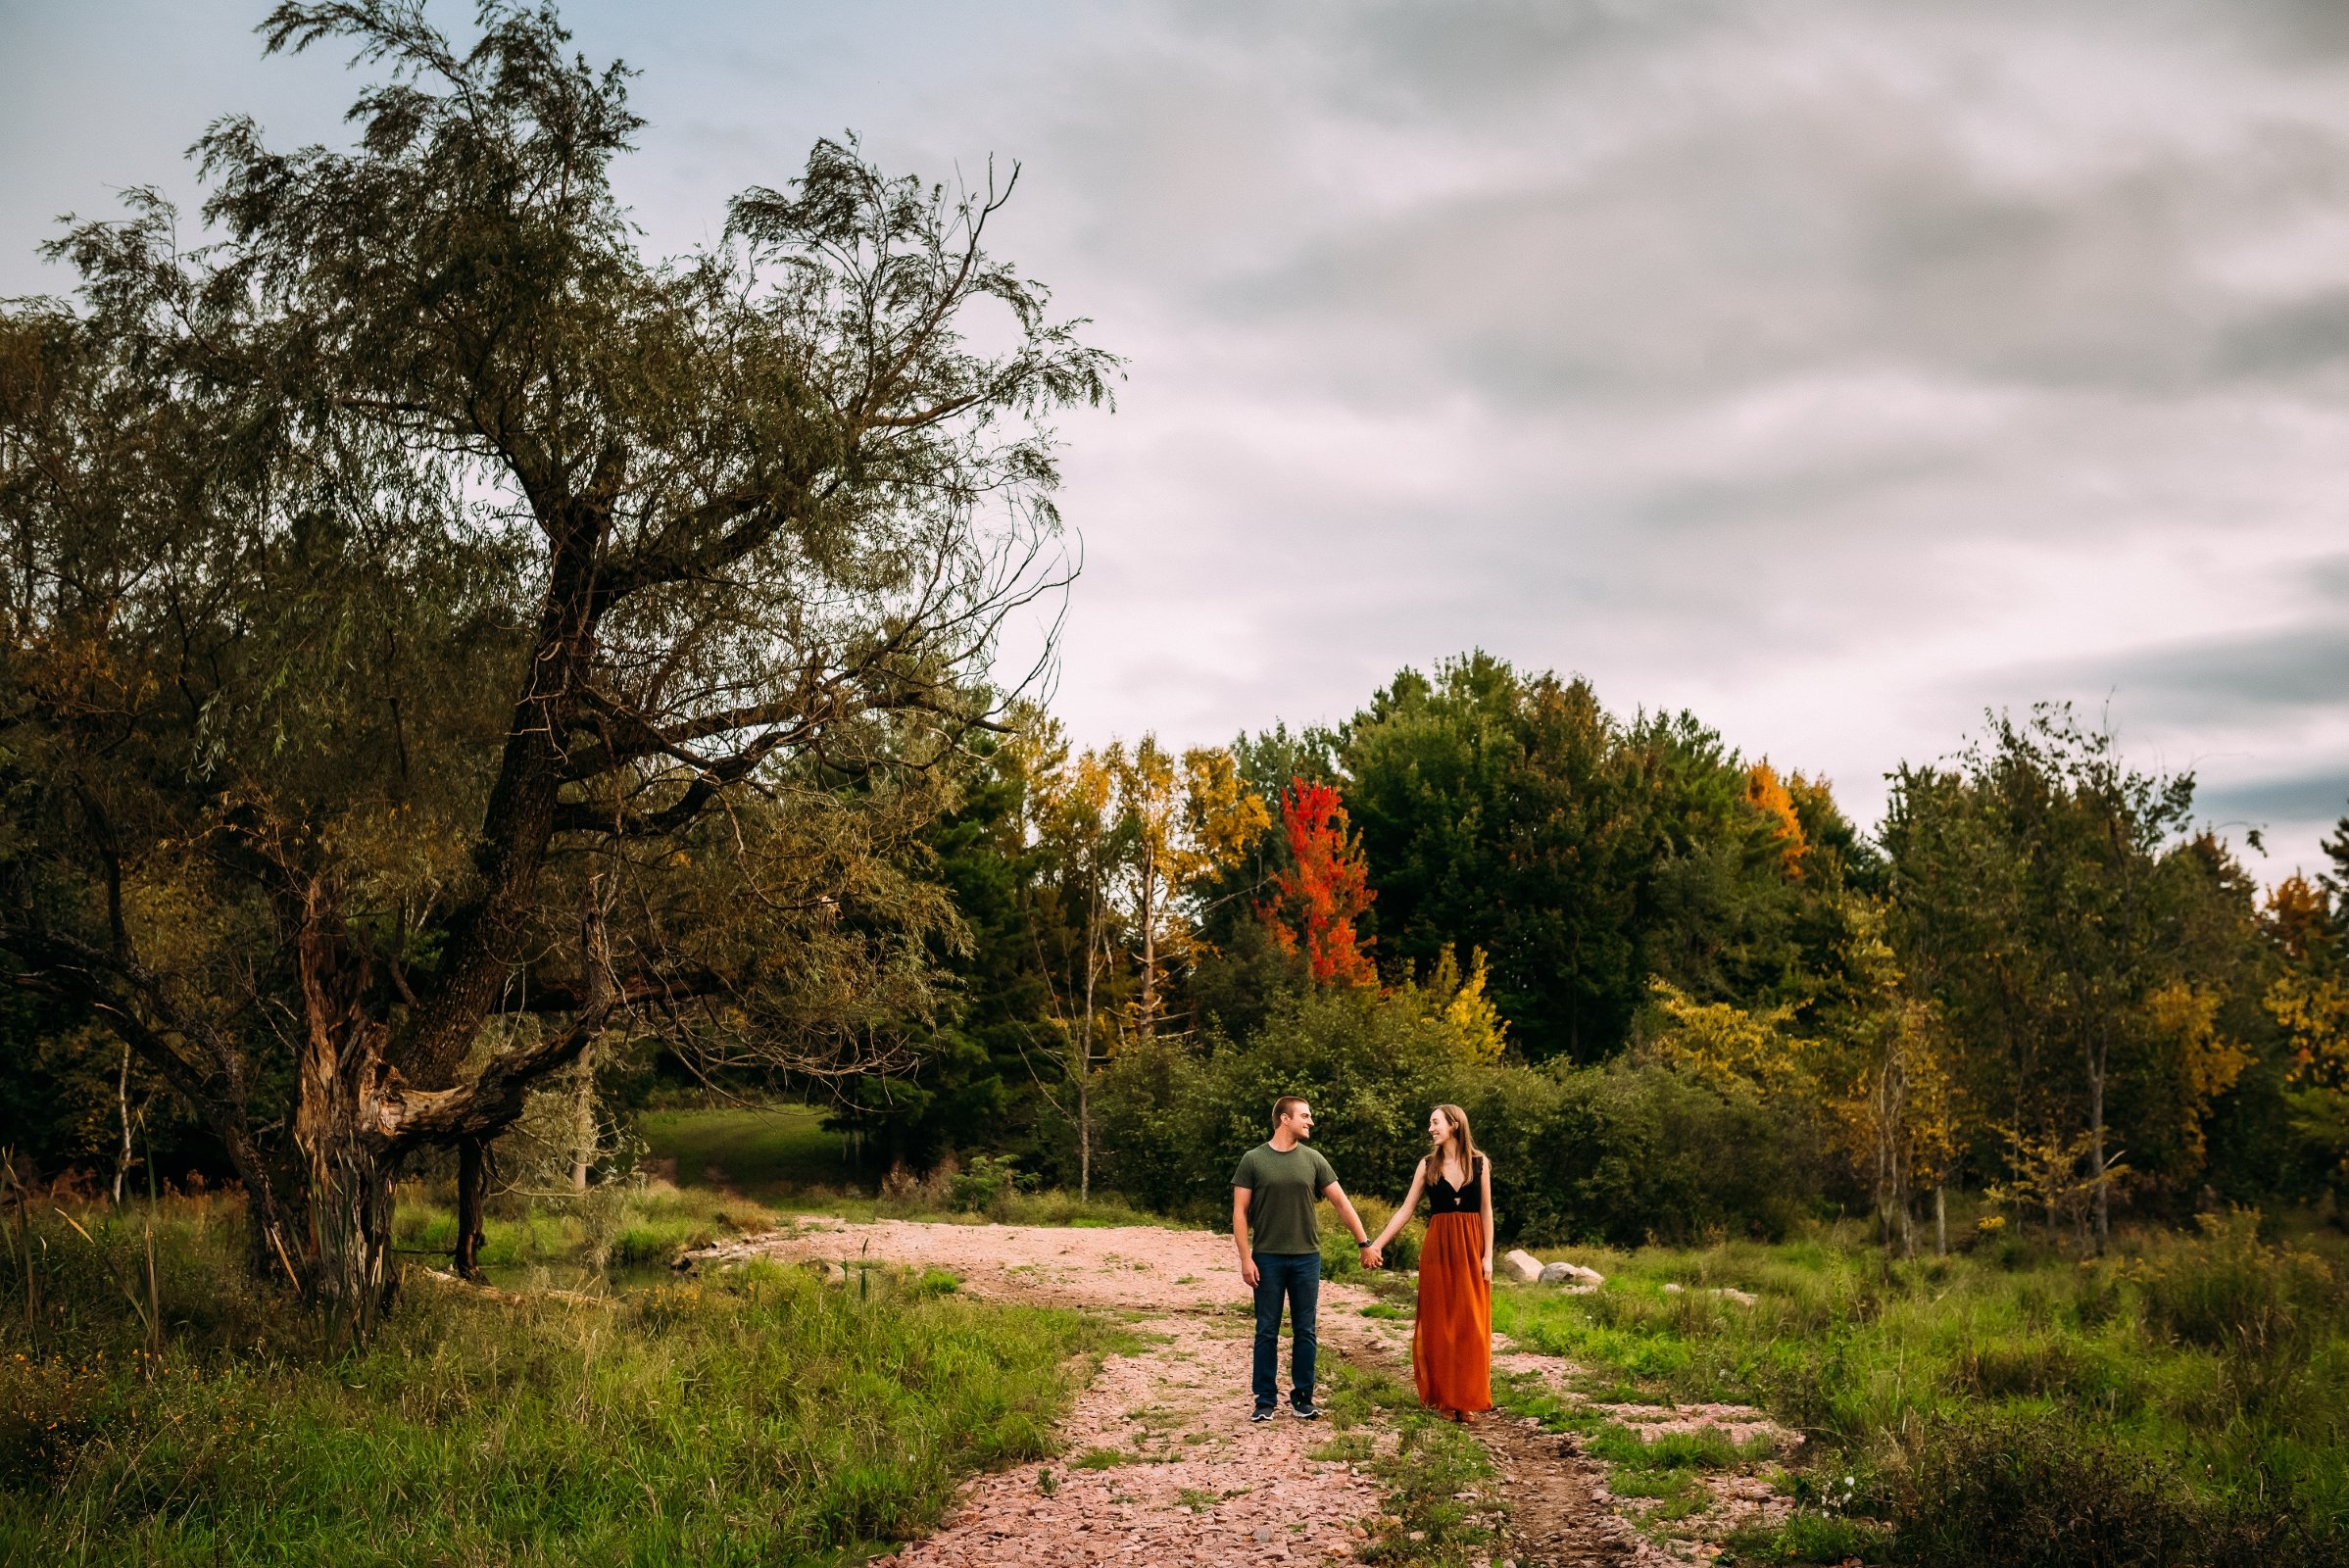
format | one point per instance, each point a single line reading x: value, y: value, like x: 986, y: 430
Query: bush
x: 1627, y: 1154
x: 2031, y: 1490
x: 1176, y: 1118
x: 2228, y: 1291
x: 1621, y: 1154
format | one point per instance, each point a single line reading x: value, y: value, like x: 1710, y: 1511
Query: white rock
x: 1672, y: 1287
x: 1522, y: 1266
x: 1742, y: 1298
x: 1573, y: 1275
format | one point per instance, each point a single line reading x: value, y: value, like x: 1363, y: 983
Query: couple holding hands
x: 1273, y: 1224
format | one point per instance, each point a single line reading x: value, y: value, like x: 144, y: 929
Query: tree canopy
x: 438, y: 634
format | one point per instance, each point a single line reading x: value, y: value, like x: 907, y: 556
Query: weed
x: 751, y: 1418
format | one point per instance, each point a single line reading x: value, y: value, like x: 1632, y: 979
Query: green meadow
x: 2184, y: 1400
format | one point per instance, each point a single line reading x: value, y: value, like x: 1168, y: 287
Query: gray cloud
x: 1836, y: 369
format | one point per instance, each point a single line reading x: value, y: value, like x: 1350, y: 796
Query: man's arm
x: 1336, y: 1194
x: 1247, y: 1262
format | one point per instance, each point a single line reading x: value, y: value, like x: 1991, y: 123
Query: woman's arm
x: 1488, y: 1218
x: 1402, y: 1212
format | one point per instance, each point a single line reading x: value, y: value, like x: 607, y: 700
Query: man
x: 1273, y: 1192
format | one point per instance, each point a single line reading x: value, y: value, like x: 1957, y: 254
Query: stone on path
x: 1523, y: 1266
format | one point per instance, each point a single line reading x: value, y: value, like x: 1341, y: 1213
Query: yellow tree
x: 1186, y: 819
x: 1069, y: 817
x: 1892, y: 1095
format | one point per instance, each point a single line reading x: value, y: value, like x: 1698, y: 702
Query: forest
x: 470, y: 690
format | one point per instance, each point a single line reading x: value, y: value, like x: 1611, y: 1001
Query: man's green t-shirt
x: 1280, y: 1215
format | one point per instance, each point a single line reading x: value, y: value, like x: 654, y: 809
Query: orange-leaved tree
x: 1324, y: 889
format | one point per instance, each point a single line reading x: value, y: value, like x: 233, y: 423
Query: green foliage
x: 756, y: 1418
x: 1586, y: 856
x: 764, y: 1150
x: 488, y: 634
x: 2097, y: 967
x: 1616, y: 1154
x: 1627, y: 1154
x: 1955, y: 1388
x: 1809, y: 1538
x: 2048, y: 1490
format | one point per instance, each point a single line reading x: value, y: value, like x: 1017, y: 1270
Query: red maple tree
x: 1325, y: 889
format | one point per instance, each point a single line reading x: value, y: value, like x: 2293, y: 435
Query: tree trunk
x: 123, y: 1108
x: 1084, y: 1141
x: 583, y: 1122
x: 1940, y: 1219
x: 2101, y: 1207
x: 338, y: 1114
x: 1085, y: 1055
x: 350, y: 1222
x: 472, y: 1177
x: 1149, y: 945
x: 595, y: 971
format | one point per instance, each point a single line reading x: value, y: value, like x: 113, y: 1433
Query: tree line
x: 457, y: 666
x: 2039, y: 976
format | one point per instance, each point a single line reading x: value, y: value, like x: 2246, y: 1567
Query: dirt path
x: 1160, y: 1464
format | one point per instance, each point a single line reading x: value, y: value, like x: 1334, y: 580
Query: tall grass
x: 781, y: 1157
x: 759, y: 1419
x: 2184, y: 1403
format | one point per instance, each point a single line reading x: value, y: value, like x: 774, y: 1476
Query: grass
x: 636, y: 1230
x: 2182, y: 1403
x: 756, y: 1418
x: 1441, y: 1487
x: 769, y: 1151
x: 781, y: 1157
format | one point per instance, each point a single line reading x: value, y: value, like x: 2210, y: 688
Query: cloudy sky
x: 1838, y: 371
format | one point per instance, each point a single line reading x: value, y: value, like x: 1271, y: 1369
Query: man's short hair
x: 1281, y: 1107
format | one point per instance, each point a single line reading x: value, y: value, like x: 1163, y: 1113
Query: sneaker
x: 1263, y: 1413
x: 1306, y: 1412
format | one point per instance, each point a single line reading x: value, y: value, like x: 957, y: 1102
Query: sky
x: 1840, y: 372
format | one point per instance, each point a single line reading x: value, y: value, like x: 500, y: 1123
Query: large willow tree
x: 437, y: 634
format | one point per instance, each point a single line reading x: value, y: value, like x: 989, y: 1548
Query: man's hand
x: 1249, y: 1273
x: 1372, y: 1257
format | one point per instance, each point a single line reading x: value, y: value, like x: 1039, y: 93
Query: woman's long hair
x: 1462, y: 1142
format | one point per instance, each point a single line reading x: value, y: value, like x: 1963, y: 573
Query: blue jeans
x: 1294, y: 1277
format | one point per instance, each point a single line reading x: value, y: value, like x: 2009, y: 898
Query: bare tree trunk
x: 583, y: 1122
x: 1940, y: 1219
x: 2100, y: 1193
x: 1149, y: 943
x: 123, y: 1109
x: 472, y: 1177
x: 1093, y: 917
x: 595, y: 967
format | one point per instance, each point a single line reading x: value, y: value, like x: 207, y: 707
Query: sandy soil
x: 1160, y: 1464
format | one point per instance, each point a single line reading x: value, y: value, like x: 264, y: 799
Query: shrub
x: 2030, y: 1490
x: 1621, y: 1153
x: 1626, y: 1154
x: 2228, y: 1291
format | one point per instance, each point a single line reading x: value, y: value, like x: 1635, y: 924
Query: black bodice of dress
x: 1467, y: 1199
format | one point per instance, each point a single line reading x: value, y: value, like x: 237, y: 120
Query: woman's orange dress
x: 1452, y: 1343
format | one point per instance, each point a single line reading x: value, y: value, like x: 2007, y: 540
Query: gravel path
x: 1160, y: 1464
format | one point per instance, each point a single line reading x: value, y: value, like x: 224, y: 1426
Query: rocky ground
x: 1159, y: 1462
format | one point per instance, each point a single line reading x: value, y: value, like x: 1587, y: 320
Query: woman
x: 1452, y: 1343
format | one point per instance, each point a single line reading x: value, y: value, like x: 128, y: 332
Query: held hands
x: 1372, y: 1256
